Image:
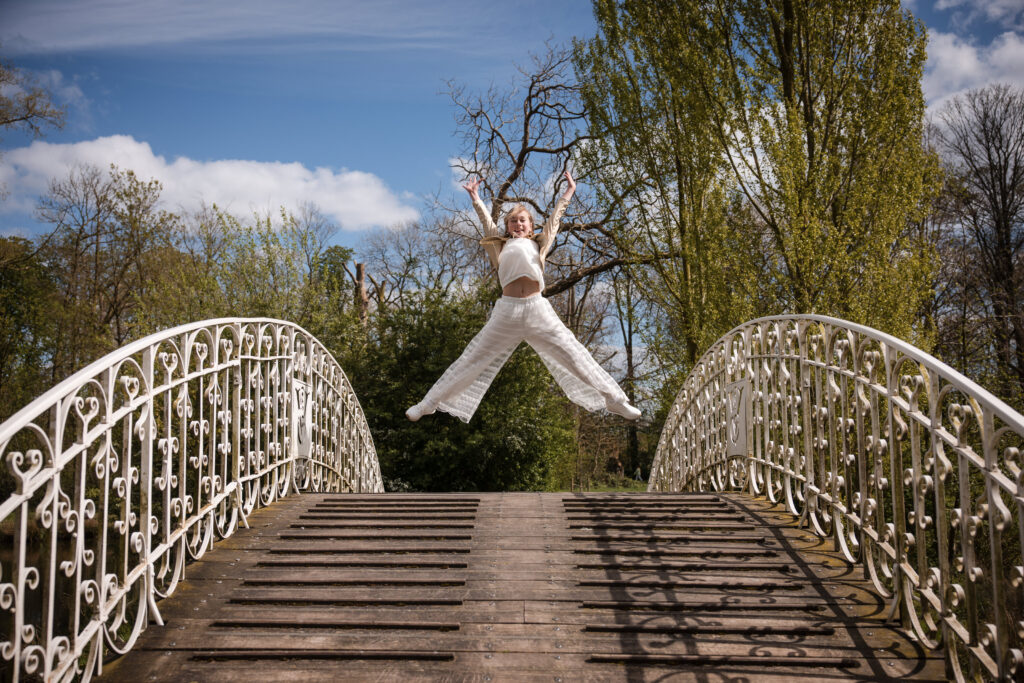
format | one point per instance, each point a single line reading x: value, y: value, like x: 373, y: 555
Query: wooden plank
x: 520, y: 586
x: 485, y: 667
x: 479, y: 612
x: 277, y: 643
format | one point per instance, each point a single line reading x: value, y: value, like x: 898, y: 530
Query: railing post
x: 805, y: 431
x: 996, y: 512
x: 235, y: 407
x: 862, y: 453
x: 896, y: 485
x: 146, y: 487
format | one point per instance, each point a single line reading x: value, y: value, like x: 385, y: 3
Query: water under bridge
x: 826, y: 503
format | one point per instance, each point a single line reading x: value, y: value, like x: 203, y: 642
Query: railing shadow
x: 738, y: 610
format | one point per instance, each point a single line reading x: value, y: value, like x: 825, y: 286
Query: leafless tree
x: 403, y: 259
x: 519, y: 141
x: 312, y: 231
x: 982, y: 143
x: 25, y: 105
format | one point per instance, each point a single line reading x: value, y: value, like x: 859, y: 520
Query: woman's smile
x: 519, y: 225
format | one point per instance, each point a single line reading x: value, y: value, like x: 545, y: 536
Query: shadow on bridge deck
x: 538, y: 586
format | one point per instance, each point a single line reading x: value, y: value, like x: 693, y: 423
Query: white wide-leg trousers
x: 514, y: 320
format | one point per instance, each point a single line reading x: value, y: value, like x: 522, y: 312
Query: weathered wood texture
x: 528, y: 586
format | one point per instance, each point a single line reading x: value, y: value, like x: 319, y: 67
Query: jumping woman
x: 522, y: 314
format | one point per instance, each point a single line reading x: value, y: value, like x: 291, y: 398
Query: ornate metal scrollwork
x: 122, y: 474
x: 908, y: 466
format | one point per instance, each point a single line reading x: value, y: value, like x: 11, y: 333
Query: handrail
x: 907, y: 465
x: 123, y: 473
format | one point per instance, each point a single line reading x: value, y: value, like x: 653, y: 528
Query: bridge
x: 826, y: 502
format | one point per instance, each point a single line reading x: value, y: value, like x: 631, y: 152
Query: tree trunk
x: 362, y: 298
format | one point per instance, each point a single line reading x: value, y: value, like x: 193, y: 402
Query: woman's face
x: 519, y: 224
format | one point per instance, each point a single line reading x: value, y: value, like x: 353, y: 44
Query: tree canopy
x: 776, y: 149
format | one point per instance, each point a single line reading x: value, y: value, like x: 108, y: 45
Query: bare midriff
x: 521, y: 288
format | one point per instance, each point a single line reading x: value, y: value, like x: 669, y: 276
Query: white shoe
x: 622, y: 408
x: 417, y: 411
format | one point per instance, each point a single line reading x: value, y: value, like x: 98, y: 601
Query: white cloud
x: 65, y: 25
x: 63, y: 90
x: 1007, y: 57
x: 1006, y: 13
x: 355, y: 199
x: 955, y: 65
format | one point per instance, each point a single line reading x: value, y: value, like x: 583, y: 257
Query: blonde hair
x: 516, y: 209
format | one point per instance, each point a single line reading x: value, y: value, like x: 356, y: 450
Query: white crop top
x: 520, y: 257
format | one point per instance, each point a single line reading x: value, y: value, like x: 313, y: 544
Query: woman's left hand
x: 571, y: 189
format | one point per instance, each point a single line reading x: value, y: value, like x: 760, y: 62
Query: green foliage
x: 218, y: 265
x: 773, y: 150
x: 657, y: 154
x: 28, y: 298
x: 510, y: 444
x: 103, y: 253
x: 821, y: 113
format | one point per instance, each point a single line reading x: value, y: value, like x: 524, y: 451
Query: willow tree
x: 801, y: 123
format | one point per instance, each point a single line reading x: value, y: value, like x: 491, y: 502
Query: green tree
x: 189, y: 286
x: 656, y: 155
x: 519, y: 430
x: 215, y: 264
x: 797, y: 125
x: 108, y: 228
x: 28, y: 298
x: 820, y: 111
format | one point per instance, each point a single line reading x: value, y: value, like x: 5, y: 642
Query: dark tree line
x: 980, y: 311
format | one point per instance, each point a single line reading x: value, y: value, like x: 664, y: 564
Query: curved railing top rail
x: 44, y: 401
x: 124, y: 472
x: 909, y: 467
x: 984, y: 397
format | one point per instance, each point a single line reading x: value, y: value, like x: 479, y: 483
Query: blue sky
x: 262, y: 103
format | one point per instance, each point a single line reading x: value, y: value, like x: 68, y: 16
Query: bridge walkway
x: 524, y: 586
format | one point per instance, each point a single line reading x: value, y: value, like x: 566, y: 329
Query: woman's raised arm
x: 490, y: 229
x: 471, y: 186
x: 570, y: 190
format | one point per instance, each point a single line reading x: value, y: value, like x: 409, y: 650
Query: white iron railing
x: 908, y: 466
x: 119, y: 476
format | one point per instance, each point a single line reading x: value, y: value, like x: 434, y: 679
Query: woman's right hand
x: 471, y: 185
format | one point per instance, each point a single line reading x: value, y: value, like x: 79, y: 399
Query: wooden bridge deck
x: 527, y: 586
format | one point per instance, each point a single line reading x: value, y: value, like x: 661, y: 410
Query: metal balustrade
x: 119, y: 476
x: 908, y: 466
